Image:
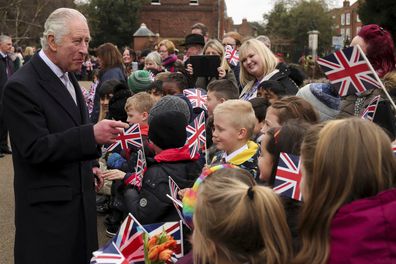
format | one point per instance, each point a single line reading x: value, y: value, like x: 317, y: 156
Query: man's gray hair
x: 4, y: 38
x: 57, y: 24
x: 266, y: 40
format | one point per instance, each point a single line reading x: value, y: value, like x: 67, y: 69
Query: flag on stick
x: 197, y: 97
x: 369, y: 111
x: 196, y: 135
x: 288, y: 176
x: 349, y: 71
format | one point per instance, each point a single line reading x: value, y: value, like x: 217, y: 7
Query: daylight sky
x: 253, y: 10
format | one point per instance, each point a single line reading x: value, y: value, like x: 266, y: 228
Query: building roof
x: 143, y: 31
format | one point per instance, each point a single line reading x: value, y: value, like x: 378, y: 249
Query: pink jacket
x: 364, y: 231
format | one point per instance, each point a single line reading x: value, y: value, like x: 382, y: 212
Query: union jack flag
x: 370, y: 110
x: 129, y: 240
x: 231, y: 55
x: 109, y: 254
x: 196, y: 135
x: 349, y: 71
x: 288, y: 176
x: 197, y: 97
x: 141, y: 167
x: 128, y: 138
x: 394, y: 149
x: 175, y: 229
x: 174, y: 190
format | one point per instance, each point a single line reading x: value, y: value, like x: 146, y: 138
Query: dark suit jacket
x: 53, y: 144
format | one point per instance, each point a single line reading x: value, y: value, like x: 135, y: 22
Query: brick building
x: 346, y: 20
x: 246, y: 29
x: 173, y: 19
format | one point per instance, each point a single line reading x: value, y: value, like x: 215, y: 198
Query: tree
x: 112, y: 21
x: 289, y: 22
x: 24, y: 20
x: 381, y: 12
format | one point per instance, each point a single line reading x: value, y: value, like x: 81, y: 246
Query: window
x: 343, y: 32
x: 155, y: 2
x: 358, y: 18
x: 342, y: 19
x: 194, y: 2
x: 347, y: 18
x: 348, y: 33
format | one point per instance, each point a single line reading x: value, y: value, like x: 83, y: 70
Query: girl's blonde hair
x: 265, y: 54
x: 343, y: 160
x: 239, y: 222
x: 218, y: 47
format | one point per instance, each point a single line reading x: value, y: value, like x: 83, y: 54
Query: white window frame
x: 194, y: 2
x: 155, y: 2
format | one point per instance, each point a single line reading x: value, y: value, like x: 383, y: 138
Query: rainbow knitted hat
x: 190, y: 197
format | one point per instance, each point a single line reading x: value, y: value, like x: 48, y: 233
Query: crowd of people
x: 257, y: 107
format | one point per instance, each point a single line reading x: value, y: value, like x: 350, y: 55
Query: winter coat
x: 151, y: 205
x: 247, y: 159
x: 364, y: 231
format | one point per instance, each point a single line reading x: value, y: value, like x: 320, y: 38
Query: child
x: 168, y: 135
x: 155, y: 90
x: 106, y: 92
x: 291, y: 107
x: 220, y: 91
x: 234, y: 122
x: 260, y: 106
x: 137, y: 108
x: 139, y: 81
x: 174, y: 84
x: 349, y: 181
x: 254, y: 231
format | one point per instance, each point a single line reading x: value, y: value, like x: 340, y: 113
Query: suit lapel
x: 56, y: 89
x: 80, y: 100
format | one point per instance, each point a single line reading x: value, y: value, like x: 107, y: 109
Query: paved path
x: 7, y: 228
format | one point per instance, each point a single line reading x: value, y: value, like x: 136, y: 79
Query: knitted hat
x: 322, y: 98
x: 168, y: 130
x: 169, y: 103
x: 139, y: 81
x: 117, y: 103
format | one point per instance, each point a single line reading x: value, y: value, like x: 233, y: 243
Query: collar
x: 174, y: 155
x: 3, y: 54
x: 234, y: 153
x: 58, y: 72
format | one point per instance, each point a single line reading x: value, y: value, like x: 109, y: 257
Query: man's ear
x: 222, y: 100
x: 51, y: 42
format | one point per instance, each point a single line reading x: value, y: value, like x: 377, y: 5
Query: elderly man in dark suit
x: 6, y: 70
x: 53, y: 147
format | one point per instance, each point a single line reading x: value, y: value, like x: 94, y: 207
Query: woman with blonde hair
x: 214, y: 47
x: 254, y: 229
x: 349, y: 180
x: 259, y: 64
x: 166, y: 49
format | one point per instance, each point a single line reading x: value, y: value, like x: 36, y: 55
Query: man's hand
x: 106, y: 131
x: 99, y: 181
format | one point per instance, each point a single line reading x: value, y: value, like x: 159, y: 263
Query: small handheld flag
x: 349, y: 71
x: 231, y: 55
x: 136, y: 178
x: 197, y: 97
x: 288, y: 176
x: 196, y: 135
x: 128, y: 138
x: 369, y: 112
x: 174, y: 189
x: 109, y: 254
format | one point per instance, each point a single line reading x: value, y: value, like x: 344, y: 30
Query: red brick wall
x: 174, y: 18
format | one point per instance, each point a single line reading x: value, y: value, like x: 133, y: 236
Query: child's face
x: 268, y: 94
x: 212, y: 102
x: 265, y: 161
x: 271, y: 120
x: 225, y: 135
x: 150, y: 65
x: 135, y: 117
x: 170, y: 88
x: 104, y: 101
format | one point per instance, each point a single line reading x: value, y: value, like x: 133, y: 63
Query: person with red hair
x: 378, y: 46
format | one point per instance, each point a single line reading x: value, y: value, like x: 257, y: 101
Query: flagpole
x: 377, y: 78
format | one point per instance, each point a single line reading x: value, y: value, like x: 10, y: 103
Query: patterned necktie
x: 66, y: 81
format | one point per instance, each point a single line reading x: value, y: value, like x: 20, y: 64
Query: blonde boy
x: 137, y: 108
x: 220, y: 91
x: 234, y: 122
